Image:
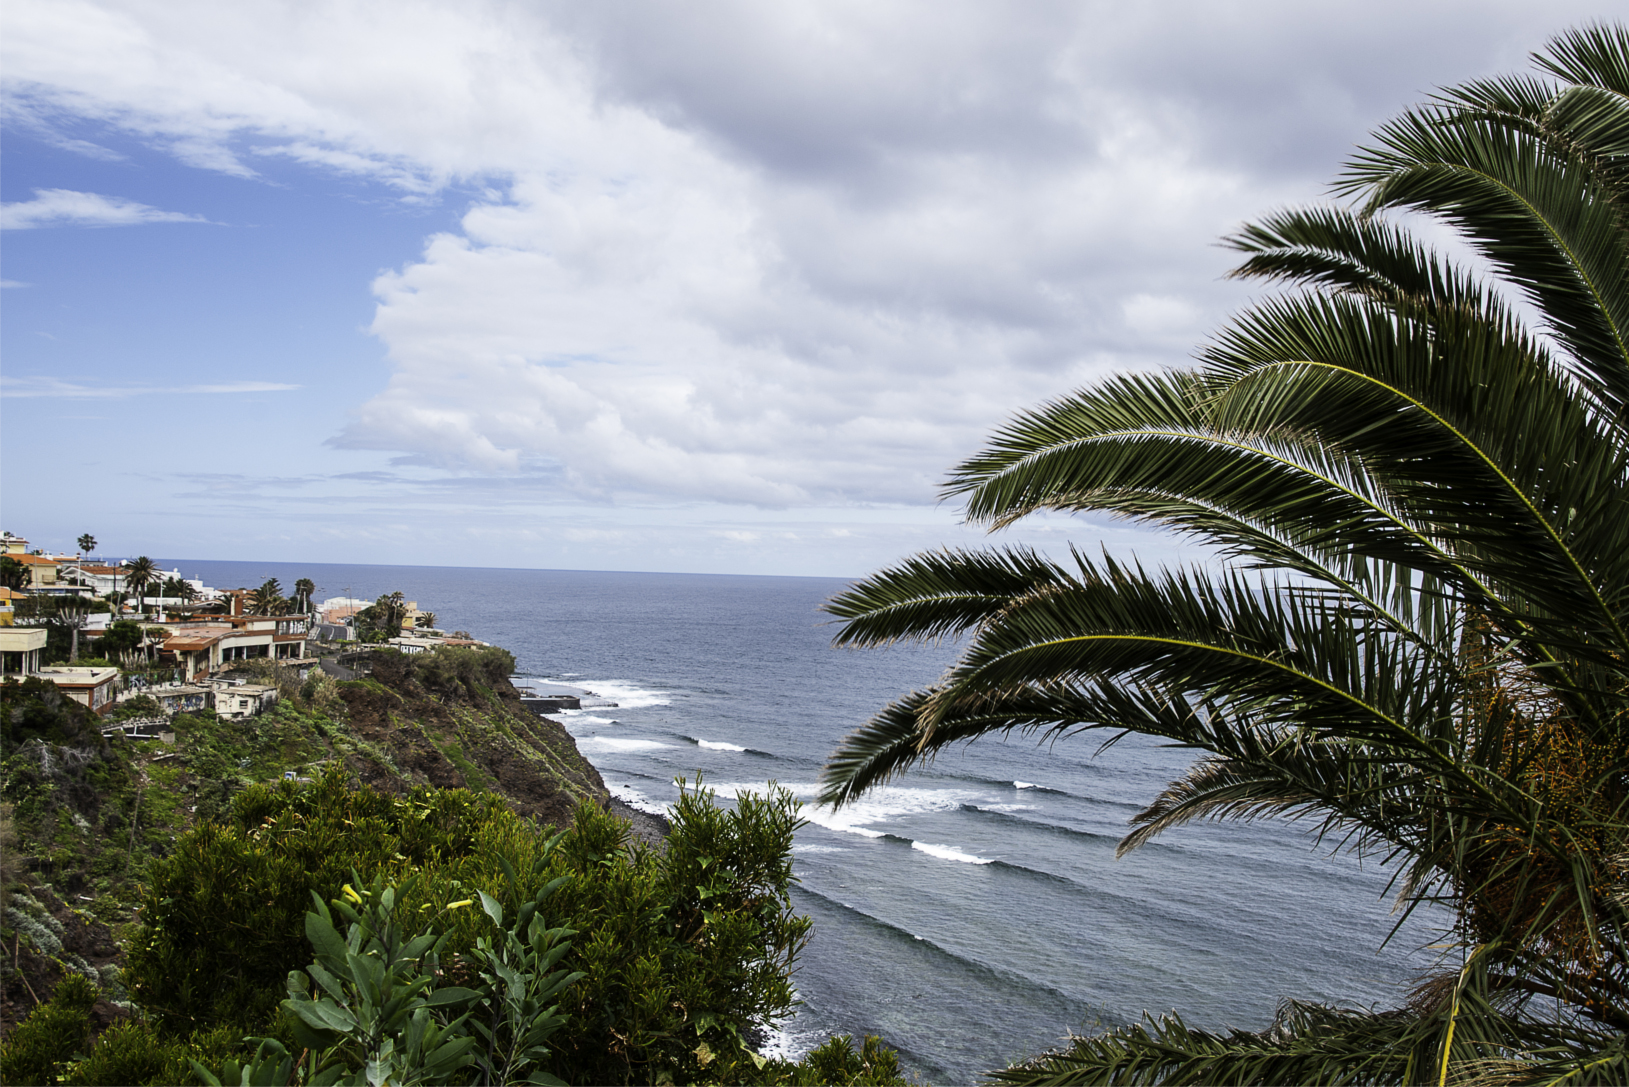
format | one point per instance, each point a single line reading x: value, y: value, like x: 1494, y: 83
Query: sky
x: 715, y: 287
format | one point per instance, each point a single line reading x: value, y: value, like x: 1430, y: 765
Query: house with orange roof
x: 204, y: 646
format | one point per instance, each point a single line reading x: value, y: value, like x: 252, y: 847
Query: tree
x: 13, y: 574
x: 303, y: 588
x: 69, y: 613
x: 139, y: 573
x: 123, y: 637
x: 382, y: 619
x: 1419, y: 636
x: 426, y: 620
x: 268, y: 599
x: 176, y: 588
x: 87, y: 544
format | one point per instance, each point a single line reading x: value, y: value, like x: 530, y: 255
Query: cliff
x: 429, y: 721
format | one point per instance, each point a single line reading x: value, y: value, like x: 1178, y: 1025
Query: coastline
x: 643, y: 826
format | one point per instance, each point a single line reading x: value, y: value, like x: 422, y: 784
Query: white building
x: 94, y: 688
x: 20, y: 649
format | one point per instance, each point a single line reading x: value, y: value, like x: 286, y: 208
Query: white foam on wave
x: 1009, y: 807
x: 719, y: 745
x: 787, y: 1043
x: 1023, y: 785
x: 876, y: 806
x: 880, y: 805
x: 583, y: 716
x: 947, y: 853
x: 810, y: 848
x: 627, y: 696
x: 616, y: 743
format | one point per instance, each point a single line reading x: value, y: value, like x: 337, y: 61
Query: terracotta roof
x: 35, y: 560
x: 8, y: 593
x: 191, y: 640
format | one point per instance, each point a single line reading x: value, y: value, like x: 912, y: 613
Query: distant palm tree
x: 1417, y: 638
x: 303, y: 588
x: 426, y: 619
x: 139, y: 573
x: 87, y: 544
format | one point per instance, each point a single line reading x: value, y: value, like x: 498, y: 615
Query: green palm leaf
x: 1418, y: 641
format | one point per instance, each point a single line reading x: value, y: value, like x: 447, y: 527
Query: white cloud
x: 65, y: 207
x: 779, y: 255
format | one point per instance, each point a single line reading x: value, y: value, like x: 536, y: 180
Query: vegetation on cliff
x: 163, y: 886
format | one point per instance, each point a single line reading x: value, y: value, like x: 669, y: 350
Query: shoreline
x: 643, y: 826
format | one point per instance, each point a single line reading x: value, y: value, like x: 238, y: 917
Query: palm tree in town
x: 1418, y: 636
x: 268, y: 599
x: 303, y: 589
x: 140, y: 573
x: 87, y: 544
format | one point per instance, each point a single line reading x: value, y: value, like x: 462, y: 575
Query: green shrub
x: 224, y: 913
x: 836, y: 1063
x: 36, y: 709
x: 685, y: 953
x: 134, y: 1053
x: 53, y: 1034
x: 382, y: 1006
x: 460, y: 671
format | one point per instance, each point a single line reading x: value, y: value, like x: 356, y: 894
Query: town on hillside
x: 105, y: 630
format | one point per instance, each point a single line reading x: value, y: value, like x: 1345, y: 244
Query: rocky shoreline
x: 643, y: 826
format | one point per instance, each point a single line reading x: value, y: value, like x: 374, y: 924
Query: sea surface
x: 971, y: 913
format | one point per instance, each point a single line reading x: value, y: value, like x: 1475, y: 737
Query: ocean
x: 971, y: 913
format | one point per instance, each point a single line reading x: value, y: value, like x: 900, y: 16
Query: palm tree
x: 268, y: 599
x: 139, y: 573
x: 303, y: 588
x: 426, y: 620
x: 1419, y: 636
x: 87, y: 544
